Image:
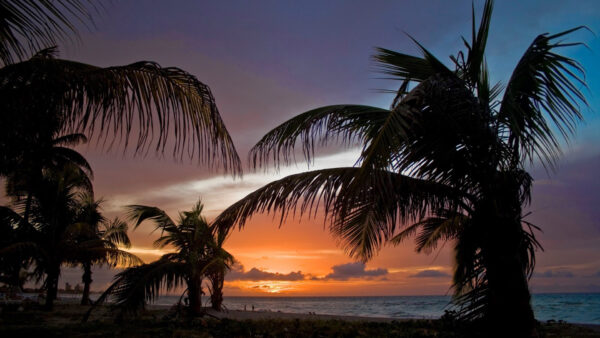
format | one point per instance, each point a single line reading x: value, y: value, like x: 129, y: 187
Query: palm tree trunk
x: 195, y: 295
x: 87, y: 281
x: 505, y: 258
x: 52, y: 285
x: 216, y: 296
x: 508, y: 297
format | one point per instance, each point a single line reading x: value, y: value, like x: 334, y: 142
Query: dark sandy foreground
x: 260, y: 315
x: 65, y: 321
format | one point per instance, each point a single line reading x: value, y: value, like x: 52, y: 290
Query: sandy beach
x: 260, y: 315
x: 163, y: 321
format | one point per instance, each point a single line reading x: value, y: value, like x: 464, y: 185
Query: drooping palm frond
x: 135, y: 286
x: 362, y: 213
x: 115, y: 232
x: 117, y: 257
x: 141, y: 213
x: 443, y: 226
x: 142, y: 98
x: 543, y: 92
x: 30, y: 25
x: 344, y: 123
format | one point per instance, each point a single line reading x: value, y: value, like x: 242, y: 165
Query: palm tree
x: 54, y: 239
x: 197, y: 253
x: 446, y: 162
x: 100, y: 242
x: 221, y: 262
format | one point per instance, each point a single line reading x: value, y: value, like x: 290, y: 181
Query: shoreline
x: 263, y: 314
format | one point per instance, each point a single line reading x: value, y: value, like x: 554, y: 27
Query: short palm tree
x: 53, y: 226
x: 99, y: 242
x: 221, y: 262
x: 197, y: 254
x: 445, y: 163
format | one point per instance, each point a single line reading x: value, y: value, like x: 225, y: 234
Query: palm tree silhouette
x: 53, y: 226
x: 100, y: 242
x: 221, y: 262
x: 445, y: 163
x: 197, y: 254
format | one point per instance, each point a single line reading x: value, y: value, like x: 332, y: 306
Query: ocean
x: 570, y: 307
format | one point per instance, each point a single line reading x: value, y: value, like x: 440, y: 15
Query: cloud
x: 237, y: 273
x: 429, y: 274
x: 353, y: 270
x: 555, y: 274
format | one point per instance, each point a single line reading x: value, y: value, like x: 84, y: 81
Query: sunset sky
x: 266, y: 61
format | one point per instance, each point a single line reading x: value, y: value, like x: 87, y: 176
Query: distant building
x: 77, y: 288
x: 68, y: 287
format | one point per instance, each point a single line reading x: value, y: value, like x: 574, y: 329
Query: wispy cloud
x: 219, y: 192
x: 286, y: 254
x: 429, y: 274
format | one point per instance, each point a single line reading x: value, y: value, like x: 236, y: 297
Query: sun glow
x: 267, y: 287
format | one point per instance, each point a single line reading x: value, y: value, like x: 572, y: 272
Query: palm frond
x: 343, y: 123
x: 135, y: 286
x: 543, y: 92
x: 141, y: 213
x: 476, y: 69
x: 115, y: 232
x: 114, y: 102
x: 117, y: 257
x: 444, y: 225
x: 401, y: 67
x: 362, y: 213
x: 64, y: 155
x: 70, y: 140
x: 29, y: 25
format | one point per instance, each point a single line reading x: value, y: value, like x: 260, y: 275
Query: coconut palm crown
x: 197, y: 253
x: 446, y: 162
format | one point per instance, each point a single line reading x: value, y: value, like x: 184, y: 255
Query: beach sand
x: 160, y: 321
x: 257, y: 315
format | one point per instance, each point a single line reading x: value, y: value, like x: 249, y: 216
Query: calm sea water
x: 570, y: 307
